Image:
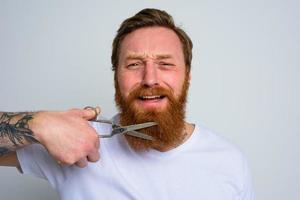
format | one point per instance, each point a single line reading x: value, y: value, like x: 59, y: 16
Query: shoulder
x: 215, y: 142
x: 226, y: 156
x: 225, y: 160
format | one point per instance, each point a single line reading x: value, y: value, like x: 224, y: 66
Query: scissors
x: 129, y: 130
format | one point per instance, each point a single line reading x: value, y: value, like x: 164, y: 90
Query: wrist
x: 36, y: 125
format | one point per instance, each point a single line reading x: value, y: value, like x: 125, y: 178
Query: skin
x: 66, y: 135
x: 144, y: 61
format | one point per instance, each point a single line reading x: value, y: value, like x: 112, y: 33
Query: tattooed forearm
x: 3, y: 151
x: 14, y: 131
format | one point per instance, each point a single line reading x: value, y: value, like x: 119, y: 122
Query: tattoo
x: 4, y: 151
x: 14, y: 131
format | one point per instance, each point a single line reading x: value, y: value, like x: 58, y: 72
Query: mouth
x: 152, y: 101
x: 151, y: 97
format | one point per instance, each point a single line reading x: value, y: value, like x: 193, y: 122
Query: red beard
x: 170, y: 130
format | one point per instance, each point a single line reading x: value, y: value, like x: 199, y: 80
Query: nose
x: 150, y: 77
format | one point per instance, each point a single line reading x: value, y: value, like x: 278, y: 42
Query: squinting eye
x: 133, y: 65
x: 166, y: 64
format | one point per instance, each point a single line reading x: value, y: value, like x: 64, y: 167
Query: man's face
x: 151, y: 85
x: 151, y: 57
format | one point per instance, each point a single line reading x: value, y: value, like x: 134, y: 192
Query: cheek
x: 127, y: 83
x: 174, y: 82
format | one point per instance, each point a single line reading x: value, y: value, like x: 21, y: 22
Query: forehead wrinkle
x: 134, y: 55
x: 143, y: 56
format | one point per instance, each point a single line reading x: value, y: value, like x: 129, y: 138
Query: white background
x: 56, y: 55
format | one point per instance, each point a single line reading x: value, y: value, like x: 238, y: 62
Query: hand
x: 67, y: 136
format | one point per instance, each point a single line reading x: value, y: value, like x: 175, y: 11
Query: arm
x: 9, y: 160
x: 66, y: 135
x: 14, y: 133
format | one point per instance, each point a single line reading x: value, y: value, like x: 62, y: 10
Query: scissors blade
x: 140, y: 135
x: 138, y: 126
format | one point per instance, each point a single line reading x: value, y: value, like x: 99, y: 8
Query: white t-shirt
x: 205, y: 167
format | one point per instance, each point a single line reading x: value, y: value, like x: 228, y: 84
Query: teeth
x: 151, y: 97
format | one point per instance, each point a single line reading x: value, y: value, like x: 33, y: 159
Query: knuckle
x: 70, y: 160
x: 90, y: 147
x: 89, y: 143
x: 81, y: 165
x: 85, y: 145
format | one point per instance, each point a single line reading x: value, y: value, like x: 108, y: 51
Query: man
x: 151, y: 59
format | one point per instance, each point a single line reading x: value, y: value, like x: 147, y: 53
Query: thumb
x: 90, y: 112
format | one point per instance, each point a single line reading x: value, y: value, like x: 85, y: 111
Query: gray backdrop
x: 56, y: 55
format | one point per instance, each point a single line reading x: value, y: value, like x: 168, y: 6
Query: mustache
x: 150, y: 91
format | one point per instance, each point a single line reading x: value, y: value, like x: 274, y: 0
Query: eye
x: 134, y: 65
x: 166, y: 64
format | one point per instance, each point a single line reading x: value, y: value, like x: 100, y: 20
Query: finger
x: 97, y: 143
x: 82, y: 163
x: 93, y: 157
x: 90, y: 112
x: 96, y: 109
x: 61, y: 163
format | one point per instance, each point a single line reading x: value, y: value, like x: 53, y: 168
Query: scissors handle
x: 105, y: 136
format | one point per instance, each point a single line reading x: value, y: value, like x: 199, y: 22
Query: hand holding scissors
x: 118, y: 129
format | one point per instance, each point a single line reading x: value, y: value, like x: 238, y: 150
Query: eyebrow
x: 163, y: 56
x: 134, y: 56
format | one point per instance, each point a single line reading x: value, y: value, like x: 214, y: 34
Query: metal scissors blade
x: 137, y: 126
x: 130, y: 130
x: 140, y: 135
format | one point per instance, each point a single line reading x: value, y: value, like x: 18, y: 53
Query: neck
x: 187, y: 132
